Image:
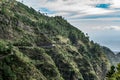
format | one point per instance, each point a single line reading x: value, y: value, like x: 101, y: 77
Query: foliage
x: 111, y: 72
x: 46, y: 47
x: 114, y: 74
x: 5, y: 48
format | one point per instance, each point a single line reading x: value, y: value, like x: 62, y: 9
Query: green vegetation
x: 5, y: 48
x: 114, y: 58
x: 37, y: 47
x: 114, y: 73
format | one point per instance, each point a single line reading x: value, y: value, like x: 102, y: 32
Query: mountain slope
x: 46, y: 48
x: 114, y: 58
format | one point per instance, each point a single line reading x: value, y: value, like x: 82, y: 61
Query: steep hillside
x: 114, y: 58
x: 37, y: 47
x: 118, y: 56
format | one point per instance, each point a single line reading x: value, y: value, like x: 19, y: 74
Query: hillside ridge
x: 38, y: 47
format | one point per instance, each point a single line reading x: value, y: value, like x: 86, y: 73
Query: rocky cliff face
x: 37, y: 47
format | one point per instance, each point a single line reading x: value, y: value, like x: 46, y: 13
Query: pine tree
x: 111, y: 72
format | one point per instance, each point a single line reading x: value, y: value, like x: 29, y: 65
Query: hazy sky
x: 99, y: 18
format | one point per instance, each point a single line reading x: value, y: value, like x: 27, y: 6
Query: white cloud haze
x: 73, y: 6
x: 116, y: 28
x: 78, y: 9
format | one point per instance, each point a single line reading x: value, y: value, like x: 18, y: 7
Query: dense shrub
x: 114, y: 73
x: 5, y: 48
